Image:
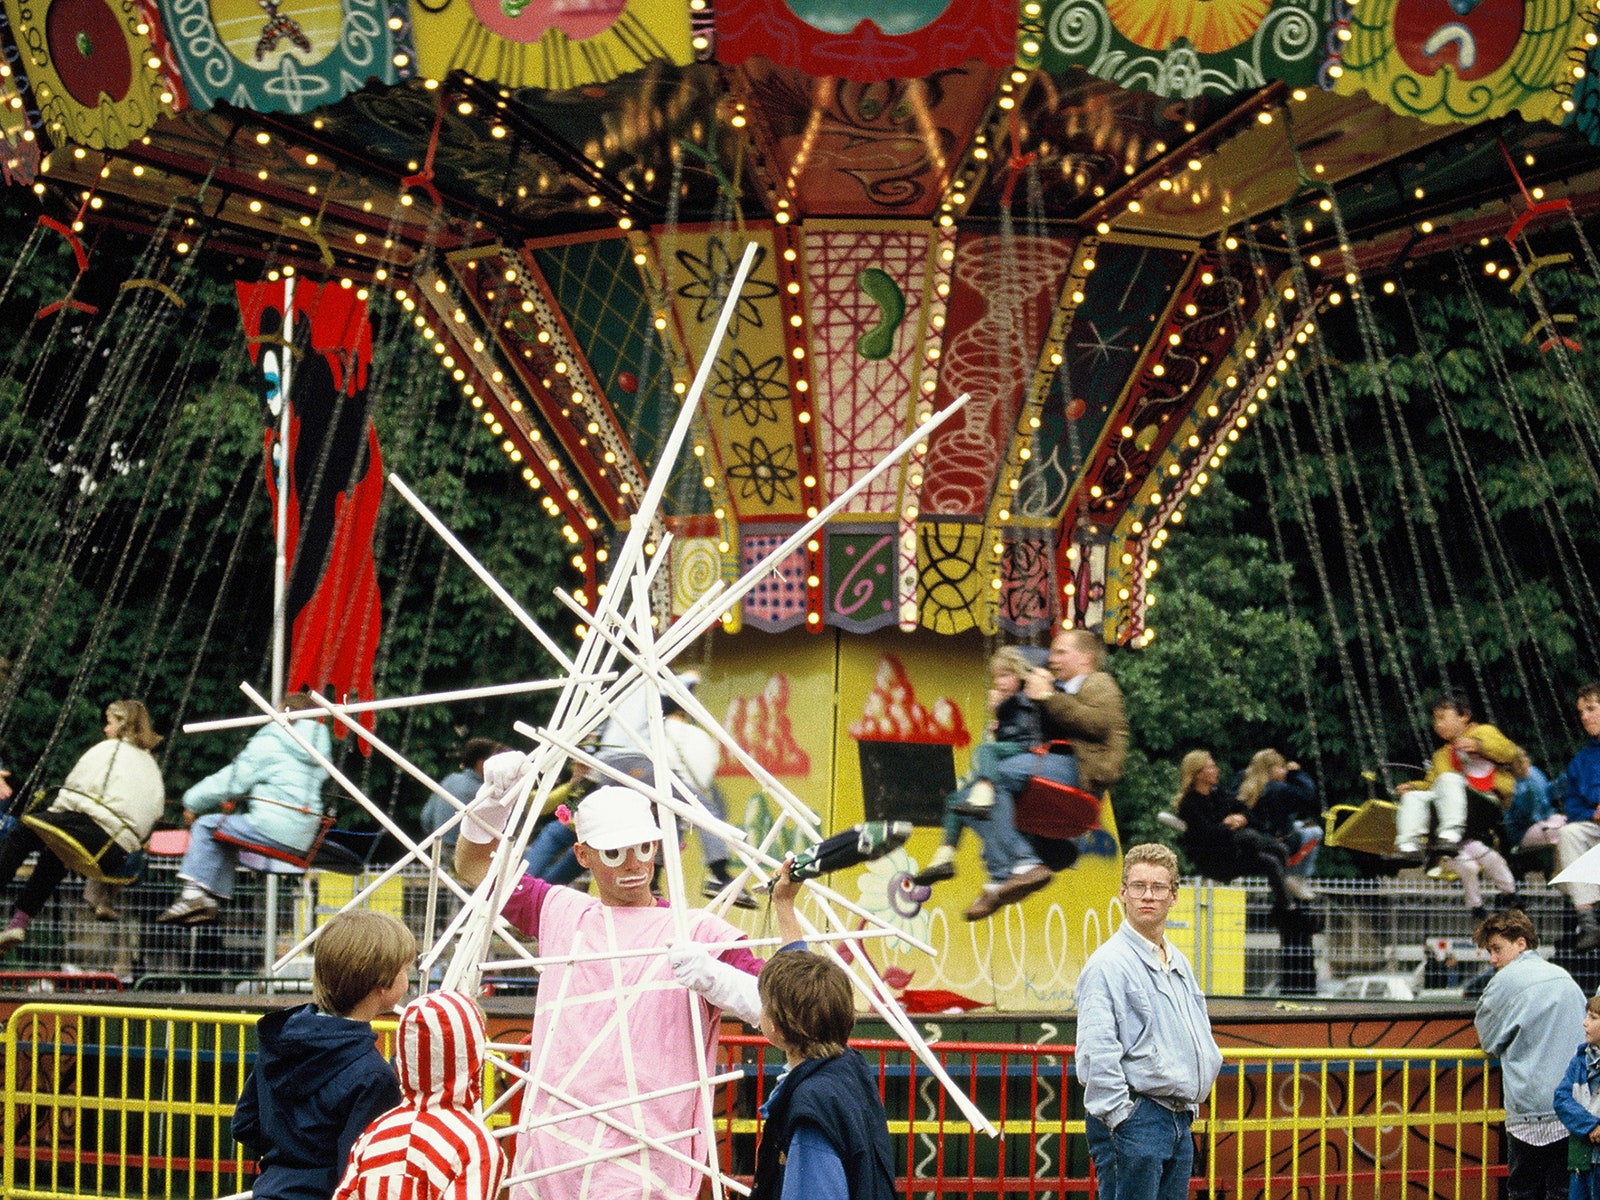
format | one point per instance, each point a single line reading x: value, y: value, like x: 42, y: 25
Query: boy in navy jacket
x: 319, y: 1080
x: 824, y: 1135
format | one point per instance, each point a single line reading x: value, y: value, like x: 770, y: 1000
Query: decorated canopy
x: 1042, y: 208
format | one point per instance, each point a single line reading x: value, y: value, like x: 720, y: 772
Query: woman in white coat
x: 104, y: 811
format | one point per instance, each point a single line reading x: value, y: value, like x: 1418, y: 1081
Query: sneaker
x: 741, y: 899
x: 10, y: 936
x: 104, y: 912
x: 190, y: 910
x: 1505, y: 900
x: 1449, y: 841
x: 979, y: 802
x: 1298, y: 887
x: 940, y: 867
x: 1408, y: 854
x: 934, y: 872
x: 1479, y: 914
x: 1588, y: 931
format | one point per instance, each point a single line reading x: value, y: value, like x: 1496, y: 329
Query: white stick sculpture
x: 622, y: 656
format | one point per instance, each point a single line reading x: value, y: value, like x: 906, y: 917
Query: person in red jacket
x: 434, y: 1145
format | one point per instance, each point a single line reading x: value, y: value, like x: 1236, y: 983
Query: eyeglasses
x: 1157, y: 891
x: 615, y: 858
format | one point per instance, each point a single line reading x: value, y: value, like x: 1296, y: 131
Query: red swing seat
x: 301, y: 860
x: 1049, y: 809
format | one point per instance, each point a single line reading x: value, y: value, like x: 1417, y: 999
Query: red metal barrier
x: 59, y: 981
x: 1323, y: 1124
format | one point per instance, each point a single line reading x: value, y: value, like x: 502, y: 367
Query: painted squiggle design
x: 989, y: 358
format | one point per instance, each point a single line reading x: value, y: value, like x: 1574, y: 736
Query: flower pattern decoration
x: 748, y: 390
x: 763, y: 471
x: 887, y: 892
x: 713, y: 278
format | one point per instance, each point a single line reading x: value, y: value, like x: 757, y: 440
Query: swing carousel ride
x: 1114, y: 224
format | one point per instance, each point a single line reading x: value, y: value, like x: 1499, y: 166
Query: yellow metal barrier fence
x: 137, y: 1103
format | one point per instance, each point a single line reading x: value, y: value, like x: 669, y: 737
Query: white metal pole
x: 280, y: 578
x: 280, y: 587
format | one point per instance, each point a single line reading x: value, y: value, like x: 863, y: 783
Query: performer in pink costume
x: 609, y: 1029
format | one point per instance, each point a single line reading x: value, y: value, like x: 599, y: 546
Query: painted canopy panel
x: 1456, y: 62
x: 1255, y: 172
x: 549, y: 43
x: 1003, y: 292
x: 1128, y: 291
x: 273, y: 57
x: 864, y: 287
x: 603, y: 299
x: 747, y: 402
x: 867, y: 40
x: 1188, y: 47
x: 883, y: 149
x: 1083, y: 134
x: 88, y: 65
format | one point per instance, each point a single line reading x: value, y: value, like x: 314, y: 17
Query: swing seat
x: 1367, y: 828
x: 84, y: 846
x: 1048, y: 809
x: 297, y: 860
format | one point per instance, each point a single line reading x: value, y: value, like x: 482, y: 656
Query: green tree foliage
x: 136, y: 544
x: 1491, y: 590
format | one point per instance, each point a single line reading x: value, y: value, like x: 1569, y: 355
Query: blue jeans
x: 1004, y: 849
x: 213, y: 864
x: 1147, y: 1157
x: 549, y: 856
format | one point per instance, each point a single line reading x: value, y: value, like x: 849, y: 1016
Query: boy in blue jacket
x: 1577, y: 1100
x: 1582, y: 830
x: 824, y: 1135
x: 319, y: 1080
x: 1525, y: 1018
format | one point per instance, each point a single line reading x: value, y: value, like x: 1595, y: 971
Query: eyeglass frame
x: 1156, y: 891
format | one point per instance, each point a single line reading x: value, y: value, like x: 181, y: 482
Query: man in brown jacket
x: 1079, y: 703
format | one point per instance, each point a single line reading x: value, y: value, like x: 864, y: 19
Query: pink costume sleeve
x: 743, y: 959
x: 526, y: 903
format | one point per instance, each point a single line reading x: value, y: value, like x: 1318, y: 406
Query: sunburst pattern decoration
x: 1186, y: 47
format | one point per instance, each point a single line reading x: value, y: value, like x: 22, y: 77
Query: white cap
x: 610, y: 818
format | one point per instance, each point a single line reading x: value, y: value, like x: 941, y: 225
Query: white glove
x: 728, y: 988
x: 486, y: 818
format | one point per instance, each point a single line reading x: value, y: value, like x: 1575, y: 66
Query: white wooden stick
x: 474, y: 693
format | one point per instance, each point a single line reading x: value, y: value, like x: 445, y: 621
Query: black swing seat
x: 82, y: 845
x: 1047, y: 809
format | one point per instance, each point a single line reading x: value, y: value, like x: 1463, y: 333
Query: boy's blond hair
x: 358, y: 952
x: 808, y: 999
x: 1010, y: 661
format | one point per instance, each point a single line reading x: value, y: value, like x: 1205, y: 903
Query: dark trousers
x: 47, y: 875
x: 1536, y: 1172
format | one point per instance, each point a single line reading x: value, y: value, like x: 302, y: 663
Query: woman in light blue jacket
x: 276, y: 786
